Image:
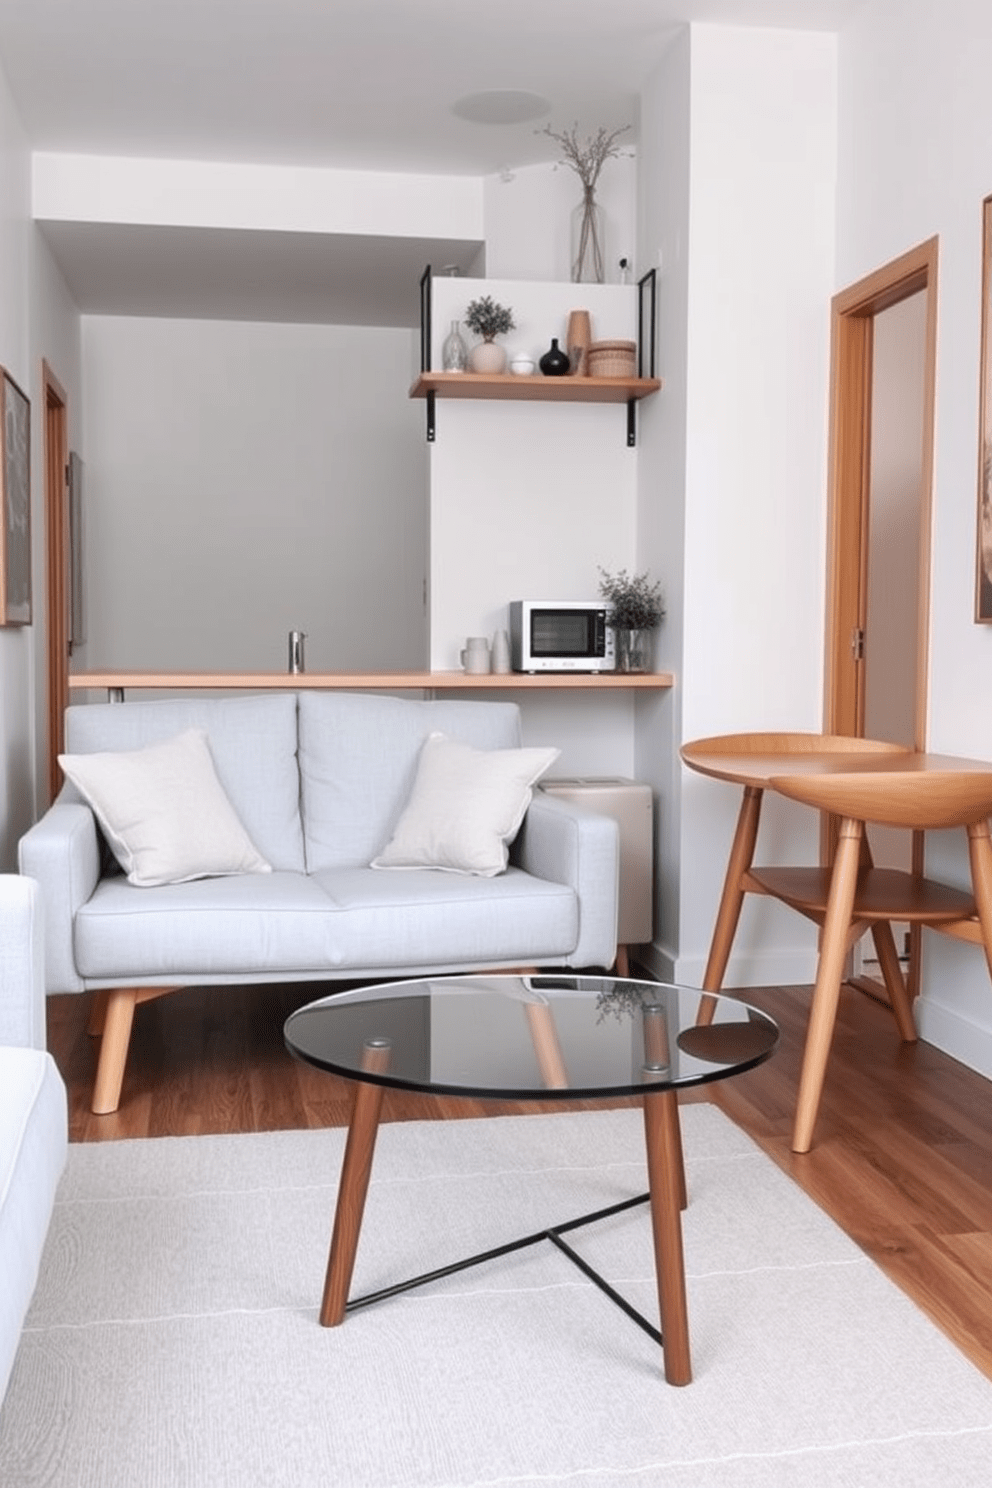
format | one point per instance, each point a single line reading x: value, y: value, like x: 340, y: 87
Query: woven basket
x: 613, y: 359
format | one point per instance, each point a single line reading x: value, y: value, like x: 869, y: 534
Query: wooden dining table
x: 856, y: 781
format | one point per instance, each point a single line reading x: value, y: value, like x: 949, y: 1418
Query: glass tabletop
x: 530, y: 1037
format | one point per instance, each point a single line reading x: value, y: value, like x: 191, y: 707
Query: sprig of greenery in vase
x: 635, y: 603
x: 487, y: 319
x: 587, y: 160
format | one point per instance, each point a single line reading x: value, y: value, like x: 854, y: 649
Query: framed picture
x: 15, y: 497
x: 77, y: 612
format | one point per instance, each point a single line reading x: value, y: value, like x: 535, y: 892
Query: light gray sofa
x: 318, y: 780
x: 33, y: 1122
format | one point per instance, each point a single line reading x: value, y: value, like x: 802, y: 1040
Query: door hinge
x: 858, y: 643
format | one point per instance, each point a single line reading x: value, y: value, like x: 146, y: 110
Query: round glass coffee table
x: 532, y: 1038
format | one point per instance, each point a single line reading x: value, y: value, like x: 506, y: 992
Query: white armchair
x: 33, y: 1118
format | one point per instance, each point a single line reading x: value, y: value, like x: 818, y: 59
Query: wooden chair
x: 850, y: 779
x: 752, y: 760
x: 860, y: 897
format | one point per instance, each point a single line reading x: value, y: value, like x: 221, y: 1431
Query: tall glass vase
x: 588, y: 242
x: 454, y: 352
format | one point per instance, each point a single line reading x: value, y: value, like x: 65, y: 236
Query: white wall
x: 663, y: 212
x: 528, y: 217
x: 56, y: 339
x: 527, y: 500
x: 916, y: 118
x: 245, y: 480
x: 758, y: 245
x: 36, y: 320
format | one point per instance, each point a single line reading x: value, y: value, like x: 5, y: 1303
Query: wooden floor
x: 902, y: 1157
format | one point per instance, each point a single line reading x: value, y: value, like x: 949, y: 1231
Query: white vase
x: 488, y: 358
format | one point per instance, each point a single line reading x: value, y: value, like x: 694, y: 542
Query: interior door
x: 881, y: 460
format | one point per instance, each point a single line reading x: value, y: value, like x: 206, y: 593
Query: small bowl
x: 523, y: 366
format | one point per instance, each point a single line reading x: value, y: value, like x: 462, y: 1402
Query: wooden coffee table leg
x: 352, y: 1190
x: 663, y: 1140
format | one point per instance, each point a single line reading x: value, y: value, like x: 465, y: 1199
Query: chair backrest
x: 919, y: 799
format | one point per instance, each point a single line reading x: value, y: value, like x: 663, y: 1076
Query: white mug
x: 475, y: 657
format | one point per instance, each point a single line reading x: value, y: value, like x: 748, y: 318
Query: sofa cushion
x: 394, y: 923
x: 274, y: 923
x: 358, y: 761
x: 164, y: 812
x: 33, y: 1146
x: 252, y: 742
x: 465, y: 807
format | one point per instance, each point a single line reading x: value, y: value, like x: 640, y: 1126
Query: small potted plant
x: 636, y: 610
x: 488, y: 320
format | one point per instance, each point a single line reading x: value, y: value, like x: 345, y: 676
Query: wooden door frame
x: 56, y: 569
x: 853, y: 313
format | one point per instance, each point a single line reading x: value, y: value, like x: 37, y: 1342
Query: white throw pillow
x: 465, y: 808
x: 164, y: 812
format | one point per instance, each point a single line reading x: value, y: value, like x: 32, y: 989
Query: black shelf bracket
x: 425, y: 346
x: 647, y: 303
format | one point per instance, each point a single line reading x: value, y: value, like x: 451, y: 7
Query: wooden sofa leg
x: 118, y: 1017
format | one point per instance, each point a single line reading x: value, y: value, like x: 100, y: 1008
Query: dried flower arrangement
x: 588, y: 159
x: 487, y: 319
x: 635, y: 603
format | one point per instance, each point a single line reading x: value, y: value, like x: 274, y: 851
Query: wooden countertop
x: 427, y: 681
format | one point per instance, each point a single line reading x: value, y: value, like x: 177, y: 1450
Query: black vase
x: 555, y: 363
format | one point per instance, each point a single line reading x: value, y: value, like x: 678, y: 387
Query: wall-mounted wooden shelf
x: 117, y: 682
x: 534, y: 388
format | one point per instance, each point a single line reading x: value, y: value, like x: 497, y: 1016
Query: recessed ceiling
x: 354, y: 84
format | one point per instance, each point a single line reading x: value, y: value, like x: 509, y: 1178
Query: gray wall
x: 244, y: 480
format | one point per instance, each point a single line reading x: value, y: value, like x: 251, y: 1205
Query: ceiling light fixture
x: 501, y: 106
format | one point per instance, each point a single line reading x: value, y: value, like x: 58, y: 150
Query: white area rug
x: 173, y: 1339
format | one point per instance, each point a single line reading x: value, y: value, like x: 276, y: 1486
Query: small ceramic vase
x: 488, y: 358
x: 577, y: 341
x: 554, y: 362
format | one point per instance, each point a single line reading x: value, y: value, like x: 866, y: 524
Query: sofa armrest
x: 62, y: 852
x: 22, y: 963
x: 566, y: 843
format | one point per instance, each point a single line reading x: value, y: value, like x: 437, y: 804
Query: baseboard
x: 786, y: 968
x: 968, y: 1042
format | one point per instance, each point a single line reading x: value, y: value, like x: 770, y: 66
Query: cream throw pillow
x: 164, y: 812
x: 465, y: 808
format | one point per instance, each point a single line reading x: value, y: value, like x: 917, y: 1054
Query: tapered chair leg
x: 980, y: 854
x: 826, y: 993
x: 895, y: 982
x: 729, y: 912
